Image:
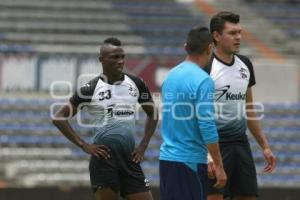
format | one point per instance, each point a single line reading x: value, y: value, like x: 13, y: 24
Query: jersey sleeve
x: 248, y: 63
x: 84, y: 94
x: 145, y: 95
x: 205, y: 111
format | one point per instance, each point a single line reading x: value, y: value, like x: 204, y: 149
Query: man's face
x: 230, y: 39
x: 113, y: 60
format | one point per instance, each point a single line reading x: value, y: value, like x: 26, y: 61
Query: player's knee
x: 140, y: 196
x: 215, y: 197
x: 106, y: 194
x: 244, y: 198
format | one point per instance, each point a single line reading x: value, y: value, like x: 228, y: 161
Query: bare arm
x: 207, y: 125
x: 219, y: 173
x: 254, y: 123
x: 214, y: 152
x: 150, y: 126
x: 60, y: 120
x: 255, y: 128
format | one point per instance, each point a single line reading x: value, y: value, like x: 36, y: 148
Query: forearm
x: 253, y: 122
x: 214, y: 152
x: 60, y: 120
x: 149, y: 129
x: 255, y: 129
x: 68, y: 132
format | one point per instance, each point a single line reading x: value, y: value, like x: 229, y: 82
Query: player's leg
x: 215, y: 197
x: 244, y: 198
x: 133, y: 183
x: 104, y: 178
x: 245, y: 179
x: 140, y: 196
x: 106, y: 194
x: 228, y: 157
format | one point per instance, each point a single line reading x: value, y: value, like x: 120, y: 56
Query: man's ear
x: 217, y: 36
x: 209, y: 49
x: 185, y: 46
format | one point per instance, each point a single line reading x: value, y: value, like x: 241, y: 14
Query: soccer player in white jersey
x: 233, y: 77
x: 112, y: 97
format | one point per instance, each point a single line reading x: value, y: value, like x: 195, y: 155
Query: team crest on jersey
x: 243, y: 73
x: 132, y: 91
x: 147, y: 182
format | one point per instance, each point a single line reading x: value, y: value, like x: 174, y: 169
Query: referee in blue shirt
x: 188, y: 124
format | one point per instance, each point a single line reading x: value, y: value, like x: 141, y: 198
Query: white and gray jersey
x: 112, y: 107
x: 231, y: 84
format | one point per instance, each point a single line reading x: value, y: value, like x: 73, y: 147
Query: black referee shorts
x: 240, y: 169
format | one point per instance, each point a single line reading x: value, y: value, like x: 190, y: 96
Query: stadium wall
x: 276, y: 82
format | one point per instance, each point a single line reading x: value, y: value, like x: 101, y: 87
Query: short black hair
x: 113, y: 41
x: 217, y: 21
x: 198, y: 40
x: 109, y: 41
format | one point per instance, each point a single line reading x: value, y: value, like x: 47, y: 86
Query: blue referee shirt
x: 188, y: 122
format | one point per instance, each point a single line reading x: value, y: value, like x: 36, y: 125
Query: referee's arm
x: 207, y: 126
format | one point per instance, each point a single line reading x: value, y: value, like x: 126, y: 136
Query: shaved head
x: 109, y: 45
x: 106, y: 49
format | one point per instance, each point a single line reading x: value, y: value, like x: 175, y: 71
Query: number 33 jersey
x: 111, y: 107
